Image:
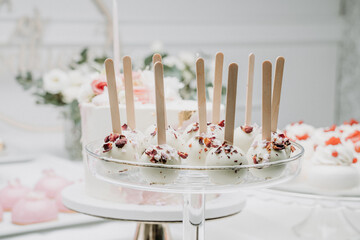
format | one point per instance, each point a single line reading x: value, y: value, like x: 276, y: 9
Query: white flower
x: 187, y: 58
x: 85, y: 93
x: 70, y: 94
x: 55, y: 81
x: 173, y: 61
x: 172, y: 86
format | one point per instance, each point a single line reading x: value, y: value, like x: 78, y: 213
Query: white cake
x: 330, y: 163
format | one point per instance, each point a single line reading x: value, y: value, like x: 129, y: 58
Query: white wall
x: 305, y: 32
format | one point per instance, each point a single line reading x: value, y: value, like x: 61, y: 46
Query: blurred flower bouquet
x: 61, y: 88
x: 84, y: 81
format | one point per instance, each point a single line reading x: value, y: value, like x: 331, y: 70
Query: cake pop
x: 245, y: 134
x: 227, y: 154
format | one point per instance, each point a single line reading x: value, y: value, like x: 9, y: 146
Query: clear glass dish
x: 192, y: 181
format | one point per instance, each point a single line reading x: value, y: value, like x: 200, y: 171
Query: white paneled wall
x: 306, y: 33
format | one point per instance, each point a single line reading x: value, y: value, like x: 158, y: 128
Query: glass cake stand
x: 327, y: 219
x: 192, y: 181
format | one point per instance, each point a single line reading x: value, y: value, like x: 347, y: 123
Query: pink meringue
x: 51, y: 183
x: 60, y: 205
x: 34, y: 208
x: 1, y: 213
x: 12, y: 193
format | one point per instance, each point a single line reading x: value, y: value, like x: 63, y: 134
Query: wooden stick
x: 113, y: 96
x: 160, y: 103
x: 116, y: 42
x: 266, y: 101
x: 201, y: 94
x: 275, y: 104
x: 249, y: 90
x: 156, y: 58
x: 129, y: 92
x: 219, y: 62
x: 231, y: 103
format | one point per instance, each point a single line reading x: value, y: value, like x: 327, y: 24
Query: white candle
x: 116, y: 42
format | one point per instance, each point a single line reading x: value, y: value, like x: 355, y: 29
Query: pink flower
x: 98, y: 86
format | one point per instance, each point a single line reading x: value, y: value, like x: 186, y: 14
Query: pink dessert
x: 60, y: 205
x: 12, y: 193
x: 1, y: 213
x: 51, y: 183
x: 34, y: 208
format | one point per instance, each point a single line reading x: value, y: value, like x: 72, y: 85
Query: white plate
x: 65, y: 220
x: 74, y: 197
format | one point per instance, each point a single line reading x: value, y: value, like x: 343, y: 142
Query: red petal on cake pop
x: 334, y: 154
x: 201, y: 140
x: 222, y: 123
x: 255, y: 159
x: 354, y: 160
x: 182, y: 155
x: 120, y: 143
x: 292, y: 148
x: 207, y: 142
x: 107, y: 147
x: 247, y: 129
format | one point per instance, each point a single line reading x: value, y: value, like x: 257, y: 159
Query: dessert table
x: 260, y: 219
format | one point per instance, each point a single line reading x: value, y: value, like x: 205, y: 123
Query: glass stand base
x: 152, y: 231
x: 326, y: 223
x: 194, y: 217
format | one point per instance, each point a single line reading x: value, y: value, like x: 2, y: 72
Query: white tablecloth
x: 259, y: 220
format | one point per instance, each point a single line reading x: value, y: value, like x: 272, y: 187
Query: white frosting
x: 297, y: 130
x: 321, y: 135
x: 244, y: 140
x: 333, y: 155
x: 258, y: 153
x: 193, y: 129
x: 198, y: 149
x: 226, y: 156
x: 173, y: 138
x: 163, y: 154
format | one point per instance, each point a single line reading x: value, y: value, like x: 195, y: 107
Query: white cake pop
x: 192, y: 130
x: 173, y: 138
x: 273, y: 146
x: 244, y: 136
x: 268, y: 151
x: 136, y: 135
x: 198, y: 147
x: 163, y: 154
x: 226, y: 155
x: 122, y: 147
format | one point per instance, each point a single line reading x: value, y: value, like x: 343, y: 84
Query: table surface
x: 259, y: 220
